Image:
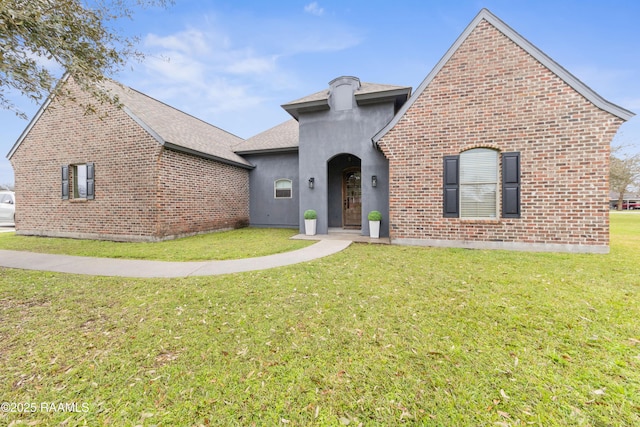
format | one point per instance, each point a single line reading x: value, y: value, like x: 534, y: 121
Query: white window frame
x: 479, y: 180
x: 275, y: 188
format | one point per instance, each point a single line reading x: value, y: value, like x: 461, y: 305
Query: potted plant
x: 310, y: 218
x: 374, y: 224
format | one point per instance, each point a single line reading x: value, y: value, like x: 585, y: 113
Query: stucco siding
x: 325, y: 135
x: 264, y: 209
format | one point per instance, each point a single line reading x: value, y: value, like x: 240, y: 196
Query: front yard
x: 374, y: 335
x: 236, y: 244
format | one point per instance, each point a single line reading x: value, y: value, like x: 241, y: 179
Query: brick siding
x: 196, y: 195
x: 491, y: 93
x: 138, y: 195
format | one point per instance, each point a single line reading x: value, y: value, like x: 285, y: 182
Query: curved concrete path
x: 153, y: 269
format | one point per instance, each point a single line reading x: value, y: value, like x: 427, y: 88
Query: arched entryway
x: 345, y: 192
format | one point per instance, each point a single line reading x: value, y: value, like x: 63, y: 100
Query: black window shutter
x: 65, y: 182
x: 90, y: 181
x: 511, y: 185
x: 451, y: 187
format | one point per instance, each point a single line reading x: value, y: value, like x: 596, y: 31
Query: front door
x: 351, y: 198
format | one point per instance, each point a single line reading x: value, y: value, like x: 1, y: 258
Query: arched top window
x: 479, y: 183
x: 476, y: 180
x: 283, y: 188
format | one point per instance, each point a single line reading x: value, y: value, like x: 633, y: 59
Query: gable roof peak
x: 364, y: 93
x: 527, y: 46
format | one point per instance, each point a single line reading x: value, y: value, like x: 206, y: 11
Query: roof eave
x: 181, y: 149
x: 268, y: 151
x: 396, y: 95
x: 306, y: 107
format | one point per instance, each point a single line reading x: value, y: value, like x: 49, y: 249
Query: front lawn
x: 374, y: 335
x: 236, y: 244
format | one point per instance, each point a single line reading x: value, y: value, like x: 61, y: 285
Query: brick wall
x: 196, y: 195
x: 491, y: 93
x: 125, y: 158
x: 129, y: 165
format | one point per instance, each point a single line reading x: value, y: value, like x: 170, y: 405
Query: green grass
x: 242, y: 243
x: 374, y: 335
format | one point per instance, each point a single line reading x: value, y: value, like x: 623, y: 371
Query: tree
x: 38, y: 38
x: 624, y: 172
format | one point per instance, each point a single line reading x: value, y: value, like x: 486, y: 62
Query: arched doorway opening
x: 345, y: 192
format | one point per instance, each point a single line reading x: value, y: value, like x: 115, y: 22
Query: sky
x: 233, y: 63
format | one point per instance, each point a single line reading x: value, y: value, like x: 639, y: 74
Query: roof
x: 177, y: 130
x: 172, y: 128
x: 523, y: 43
x: 283, y: 137
x: 366, y: 93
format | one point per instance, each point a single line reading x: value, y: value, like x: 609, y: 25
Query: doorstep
x: 344, y: 234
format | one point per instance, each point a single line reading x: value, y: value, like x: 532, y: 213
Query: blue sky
x: 233, y: 63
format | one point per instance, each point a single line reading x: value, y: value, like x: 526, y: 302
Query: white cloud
x: 229, y: 71
x: 252, y: 65
x: 200, y: 71
x: 193, y: 54
x: 314, y: 9
x: 191, y: 40
x: 175, y: 66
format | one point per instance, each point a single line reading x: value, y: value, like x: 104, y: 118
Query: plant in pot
x: 310, y: 218
x: 374, y: 224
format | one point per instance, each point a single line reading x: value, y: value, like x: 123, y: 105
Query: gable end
x: 528, y: 47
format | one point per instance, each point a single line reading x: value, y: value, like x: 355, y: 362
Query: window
x: 283, y: 188
x: 471, y: 184
x: 81, y: 177
x: 478, y: 183
x: 80, y: 181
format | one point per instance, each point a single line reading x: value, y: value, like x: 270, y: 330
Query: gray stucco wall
x: 326, y: 134
x: 264, y: 209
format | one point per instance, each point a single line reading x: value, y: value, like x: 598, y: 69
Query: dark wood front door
x: 351, y: 198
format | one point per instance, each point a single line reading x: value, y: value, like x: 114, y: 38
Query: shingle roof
x: 175, y: 129
x: 283, y: 137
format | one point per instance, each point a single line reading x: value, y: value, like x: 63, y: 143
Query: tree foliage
x: 624, y: 172
x: 42, y: 39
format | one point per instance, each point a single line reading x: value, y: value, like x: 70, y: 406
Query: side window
x: 479, y: 183
x: 78, y: 181
x: 283, y: 188
x: 471, y: 184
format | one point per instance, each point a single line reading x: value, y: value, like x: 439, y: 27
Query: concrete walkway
x: 152, y: 269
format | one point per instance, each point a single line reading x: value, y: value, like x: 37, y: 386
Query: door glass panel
x: 352, y: 203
